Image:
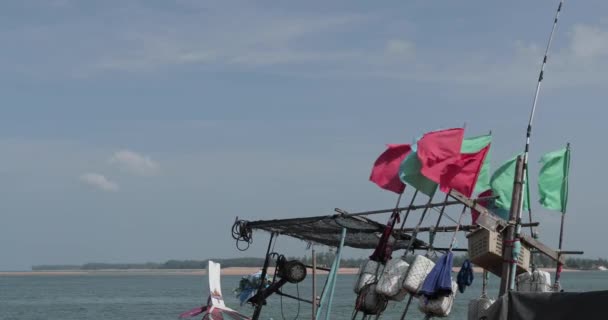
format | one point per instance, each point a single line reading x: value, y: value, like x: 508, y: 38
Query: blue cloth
x: 438, y: 283
x: 465, y: 276
x: 248, y: 286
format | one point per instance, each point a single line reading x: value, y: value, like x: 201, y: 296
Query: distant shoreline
x: 233, y: 271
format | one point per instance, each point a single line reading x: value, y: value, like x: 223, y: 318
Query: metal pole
x: 258, y: 306
x: 415, y: 233
x: 314, y: 282
x: 521, y: 175
x: 484, y: 288
x: 337, y: 268
x: 533, y: 233
x: 509, y: 234
x: 409, y: 246
x: 407, y: 212
x: 558, y: 270
x: 407, y: 307
x: 464, y: 209
x: 433, y: 231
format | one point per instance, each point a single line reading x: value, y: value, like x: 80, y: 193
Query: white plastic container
x: 391, y: 279
x: 367, y: 274
x: 420, y: 268
x: 535, y: 281
x: 440, y: 307
x: 478, y: 307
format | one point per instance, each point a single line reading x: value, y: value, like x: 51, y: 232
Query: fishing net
x: 361, y: 232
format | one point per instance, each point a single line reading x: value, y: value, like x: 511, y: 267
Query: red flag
x: 386, y: 168
x: 486, y: 203
x: 439, y: 153
x: 464, y: 178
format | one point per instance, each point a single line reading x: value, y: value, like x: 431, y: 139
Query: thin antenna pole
x: 528, y: 135
x: 541, y: 76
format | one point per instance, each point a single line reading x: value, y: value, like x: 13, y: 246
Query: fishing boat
x: 441, y: 162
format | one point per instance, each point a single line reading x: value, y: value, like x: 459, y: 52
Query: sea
x: 165, y: 296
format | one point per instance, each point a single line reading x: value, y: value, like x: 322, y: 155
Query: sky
x: 136, y: 131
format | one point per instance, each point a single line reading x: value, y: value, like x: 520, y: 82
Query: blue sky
x: 136, y: 131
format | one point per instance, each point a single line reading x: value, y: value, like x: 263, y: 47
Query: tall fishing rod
x: 523, y: 176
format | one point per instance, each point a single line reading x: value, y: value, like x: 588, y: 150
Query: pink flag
x: 464, y: 179
x: 386, y: 168
x: 485, y: 203
x: 439, y: 153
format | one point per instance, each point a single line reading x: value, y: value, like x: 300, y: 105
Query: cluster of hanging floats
x: 431, y: 283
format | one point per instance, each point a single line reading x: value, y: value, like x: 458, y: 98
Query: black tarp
x: 550, y: 306
x: 361, y: 232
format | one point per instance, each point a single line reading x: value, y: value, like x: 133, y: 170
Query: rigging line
x: 299, y: 302
x: 447, y: 215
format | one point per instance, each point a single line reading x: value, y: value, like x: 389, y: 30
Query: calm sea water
x: 149, y: 297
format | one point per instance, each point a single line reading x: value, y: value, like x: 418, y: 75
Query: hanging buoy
x: 478, y: 307
x: 391, y: 279
x: 535, y: 281
x: 420, y: 268
x: 369, y: 302
x: 438, y: 307
x: 367, y: 275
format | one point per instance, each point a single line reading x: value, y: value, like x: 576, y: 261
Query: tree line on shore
x: 324, y: 259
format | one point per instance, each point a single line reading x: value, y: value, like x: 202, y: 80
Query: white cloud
x: 135, y: 162
x: 99, y: 181
x: 588, y: 42
x: 135, y: 38
x: 270, y: 39
x: 400, y: 48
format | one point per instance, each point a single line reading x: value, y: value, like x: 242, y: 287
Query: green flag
x: 409, y: 173
x: 553, y: 180
x: 502, y: 185
x: 474, y: 145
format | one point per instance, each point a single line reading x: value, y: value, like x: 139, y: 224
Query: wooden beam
x: 400, y: 209
x: 486, y: 219
x: 571, y: 252
x: 453, y: 228
x: 507, y: 276
x: 553, y: 254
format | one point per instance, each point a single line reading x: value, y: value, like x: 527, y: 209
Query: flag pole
x: 558, y: 270
x: 522, y: 173
x: 407, y: 212
x: 409, y: 246
x: 393, y: 220
x: 432, y: 232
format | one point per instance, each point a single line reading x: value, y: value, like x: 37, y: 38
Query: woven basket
x: 485, y: 250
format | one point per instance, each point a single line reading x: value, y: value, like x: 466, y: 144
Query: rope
x: 299, y: 303
x: 484, y: 286
x: 446, y: 215
x: 242, y: 234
